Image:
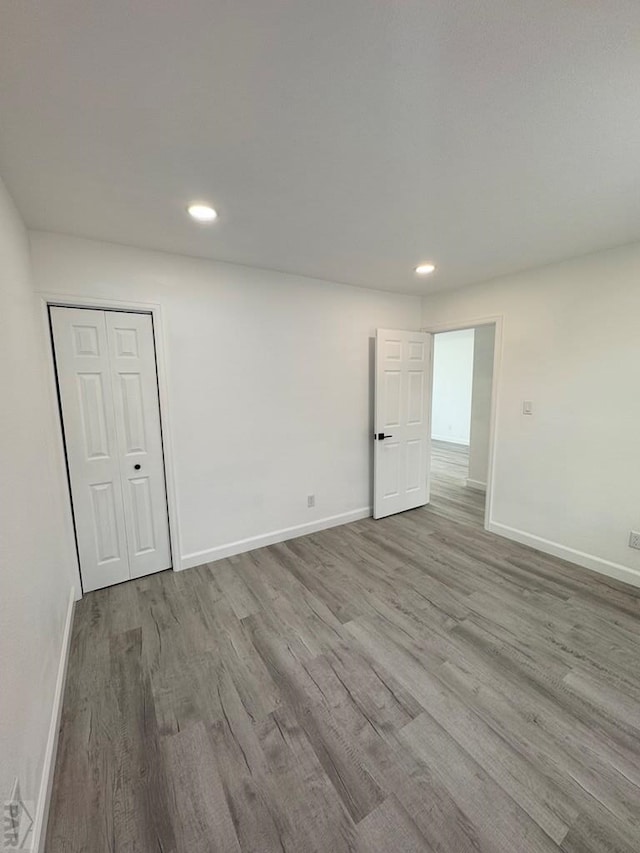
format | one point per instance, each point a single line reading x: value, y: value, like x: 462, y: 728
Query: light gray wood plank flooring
x: 410, y: 684
x: 449, y: 495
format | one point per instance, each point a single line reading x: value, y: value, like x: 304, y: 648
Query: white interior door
x: 105, y: 364
x: 402, y: 414
x: 137, y: 414
x: 84, y: 380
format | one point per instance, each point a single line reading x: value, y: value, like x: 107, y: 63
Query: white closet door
x: 137, y: 417
x: 106, y: 368
x: 84, y: 380
x: 402, y: 415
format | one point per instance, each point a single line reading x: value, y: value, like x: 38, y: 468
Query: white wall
x: 452, y: 381
x: 570, y: 473
x: 483, y: 346
x: 36, y: 567
x: 269, y: 383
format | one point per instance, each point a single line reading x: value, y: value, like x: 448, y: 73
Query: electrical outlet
x: 634, y: 540
x: 311, y: 501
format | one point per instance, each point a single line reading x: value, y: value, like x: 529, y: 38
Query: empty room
x: 320, y: 371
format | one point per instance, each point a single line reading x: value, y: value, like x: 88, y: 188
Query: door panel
x: 392, y: 391
x: 132, y: 413
x: 93, y: 415
x: 142, y: 516
x: 415, y: 398
x: 139, y: 436
x: 414, y: 454
x: 402, y: 415
x: 389, y: 468
x: 105, y: 522
x: 125, y: 341
x: 85, y: 341
x: 84, y: 380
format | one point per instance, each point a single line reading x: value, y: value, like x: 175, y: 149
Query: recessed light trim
x: 425, y: 269
x: 202, y: 212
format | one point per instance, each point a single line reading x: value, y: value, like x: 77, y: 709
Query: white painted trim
x: 498, y: 321
x: 429, y: 424
x: 160, y: 336
x: 46, y: 781
x: 477, y: 485
x: 580, y: 558
x: 459, y: 326
x: 58, y: 442
x: 449, y: 440
x: 253, y: 542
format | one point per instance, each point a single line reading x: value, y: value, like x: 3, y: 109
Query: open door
x: 402, y: 439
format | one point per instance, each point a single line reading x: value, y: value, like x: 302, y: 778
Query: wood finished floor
x: 410, y: 684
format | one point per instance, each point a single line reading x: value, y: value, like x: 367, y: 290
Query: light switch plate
x: 527, y: 407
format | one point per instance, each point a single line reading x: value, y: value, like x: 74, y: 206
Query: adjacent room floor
x: 410, y: 684
x: 450, y: 495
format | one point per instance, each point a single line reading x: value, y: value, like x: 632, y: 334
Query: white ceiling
x: 343, y: 139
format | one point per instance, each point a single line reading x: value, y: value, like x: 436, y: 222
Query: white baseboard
x: 580, y: 558
x: 449, y: 440
x: 46, y: 782
x: 253, y: 542
x: 477, y: 485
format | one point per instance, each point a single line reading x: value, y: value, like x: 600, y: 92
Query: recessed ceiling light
x: 202, y: 212
x: 425, y: 269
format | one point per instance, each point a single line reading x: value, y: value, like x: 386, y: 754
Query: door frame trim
x: 458, y: 326
x: 62, y: 300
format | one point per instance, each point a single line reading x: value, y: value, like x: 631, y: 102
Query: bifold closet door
x: 132, y: 361
x: 105, y: 363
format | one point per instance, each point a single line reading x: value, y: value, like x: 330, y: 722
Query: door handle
x: 137, y: 467
x: 381, y: 436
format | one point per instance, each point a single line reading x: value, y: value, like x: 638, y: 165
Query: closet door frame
x: 159, y: 334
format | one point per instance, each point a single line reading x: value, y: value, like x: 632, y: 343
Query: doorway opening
x: 461, y: 413
x: 406, y: 424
